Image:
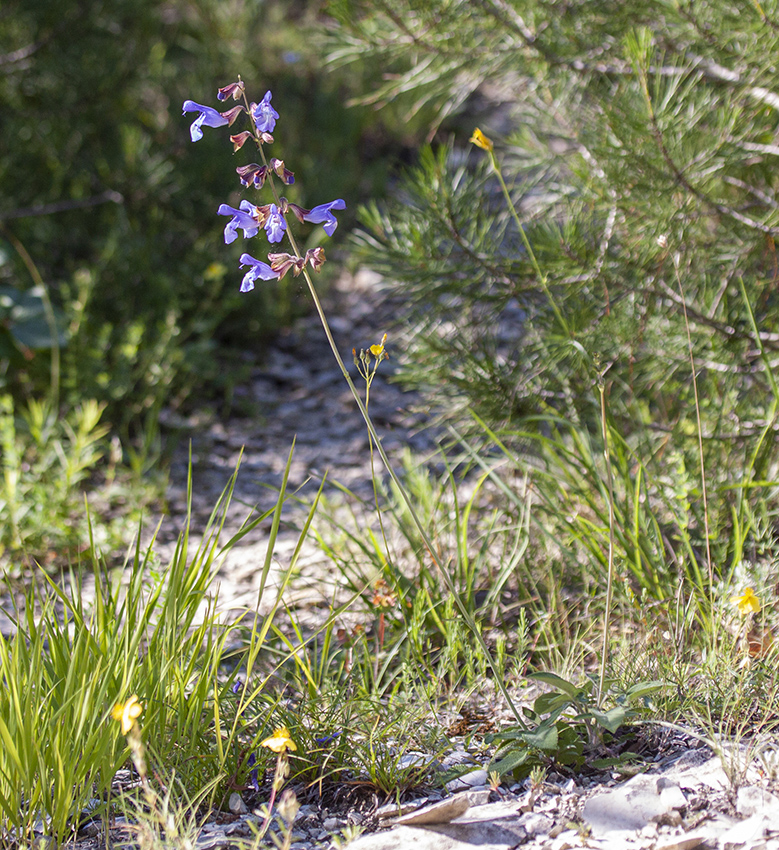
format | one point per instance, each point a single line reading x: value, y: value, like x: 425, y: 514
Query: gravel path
x: 301, y: 394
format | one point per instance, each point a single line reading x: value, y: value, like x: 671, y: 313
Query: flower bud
x: 315, y: 257
x: 232, y: 114
x: 234, y: 90
x: 240, y: 140
x: 284, y: 173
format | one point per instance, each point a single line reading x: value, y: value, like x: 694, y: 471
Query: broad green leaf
x: 611, y: 720
x: 543, y: 737
x: 510, y: 762
x: 642, y: 689
x: 557, y: 682
x: 551, y: 703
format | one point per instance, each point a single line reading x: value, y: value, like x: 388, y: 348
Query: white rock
x: 536, y: 824
x: 630, y: 807
x: 745, y: 834
x: 468, y: 780
x: 443, y: 812
x: 753, y: 800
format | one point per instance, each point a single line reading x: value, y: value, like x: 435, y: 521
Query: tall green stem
x: 610, y: 578
x: 539, y: 274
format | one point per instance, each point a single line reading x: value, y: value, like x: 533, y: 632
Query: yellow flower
x: 378, y: 350
x: 747, y: 603
x: 280, y: 741
x: 480, y: 140
x: 127, y: 713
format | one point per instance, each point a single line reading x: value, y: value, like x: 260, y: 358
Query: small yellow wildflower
x: 280, y: 741
x: 747, y: 603
x: 127, y: 713
x: 378, y: 350
x: 480, y: 140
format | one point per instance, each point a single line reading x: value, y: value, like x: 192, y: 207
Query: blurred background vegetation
x: 115, y: 285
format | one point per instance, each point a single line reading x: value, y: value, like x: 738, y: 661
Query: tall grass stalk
x: 704, y: 489
x: 610, y: 577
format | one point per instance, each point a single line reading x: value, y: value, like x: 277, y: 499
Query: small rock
x: 751, y: 799
x: 332, y: 824
x: 478, y: 797
x: 240, y: 827
x: 536, y: 824
x: 413, y: 759
x: 307, y: 811
x: 473, y: 779
x: 391, y: 810
x: 237, y: 805
x: 443, y: 812
x: 566, y: 840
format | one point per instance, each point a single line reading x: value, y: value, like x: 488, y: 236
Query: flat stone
x: 443, y: 812
x: 630, y: 807
x: 392, y: 810
x: 472, y: 779
x: 752, y: 800
x: 709, y: 773
x: 492, y: 827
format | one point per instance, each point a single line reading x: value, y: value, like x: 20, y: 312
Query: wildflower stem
x: 610, y: 578
x: 447, y: 579
x: 539, y: 274
x: 700, y: 447
x: 368, y: 382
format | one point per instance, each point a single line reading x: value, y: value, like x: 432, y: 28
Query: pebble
x: 237, y: 805
x: 473, y: 779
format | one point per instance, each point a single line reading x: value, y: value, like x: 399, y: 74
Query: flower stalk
x: 271, y: 218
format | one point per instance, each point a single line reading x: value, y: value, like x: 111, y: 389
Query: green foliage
x: 106, y: 197
x: 569, y: 728
x: 635, y: 144
x: 45, y: 463
x: 147, y: 631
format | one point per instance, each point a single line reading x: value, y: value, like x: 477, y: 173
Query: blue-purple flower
x: 258, y: 271
x: 323, y: 214
x: 265, y: 116
x: 243, y: 218
x: 209, y: 117
x: 275, y: 225
x: 253, y: 779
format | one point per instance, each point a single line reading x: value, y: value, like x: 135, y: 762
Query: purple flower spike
x: 275, y: 225
x: 265, y: 116
x: 242, y: 218
x: 323, y: 215
x: 208, y: 117
x: 258, y: 271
